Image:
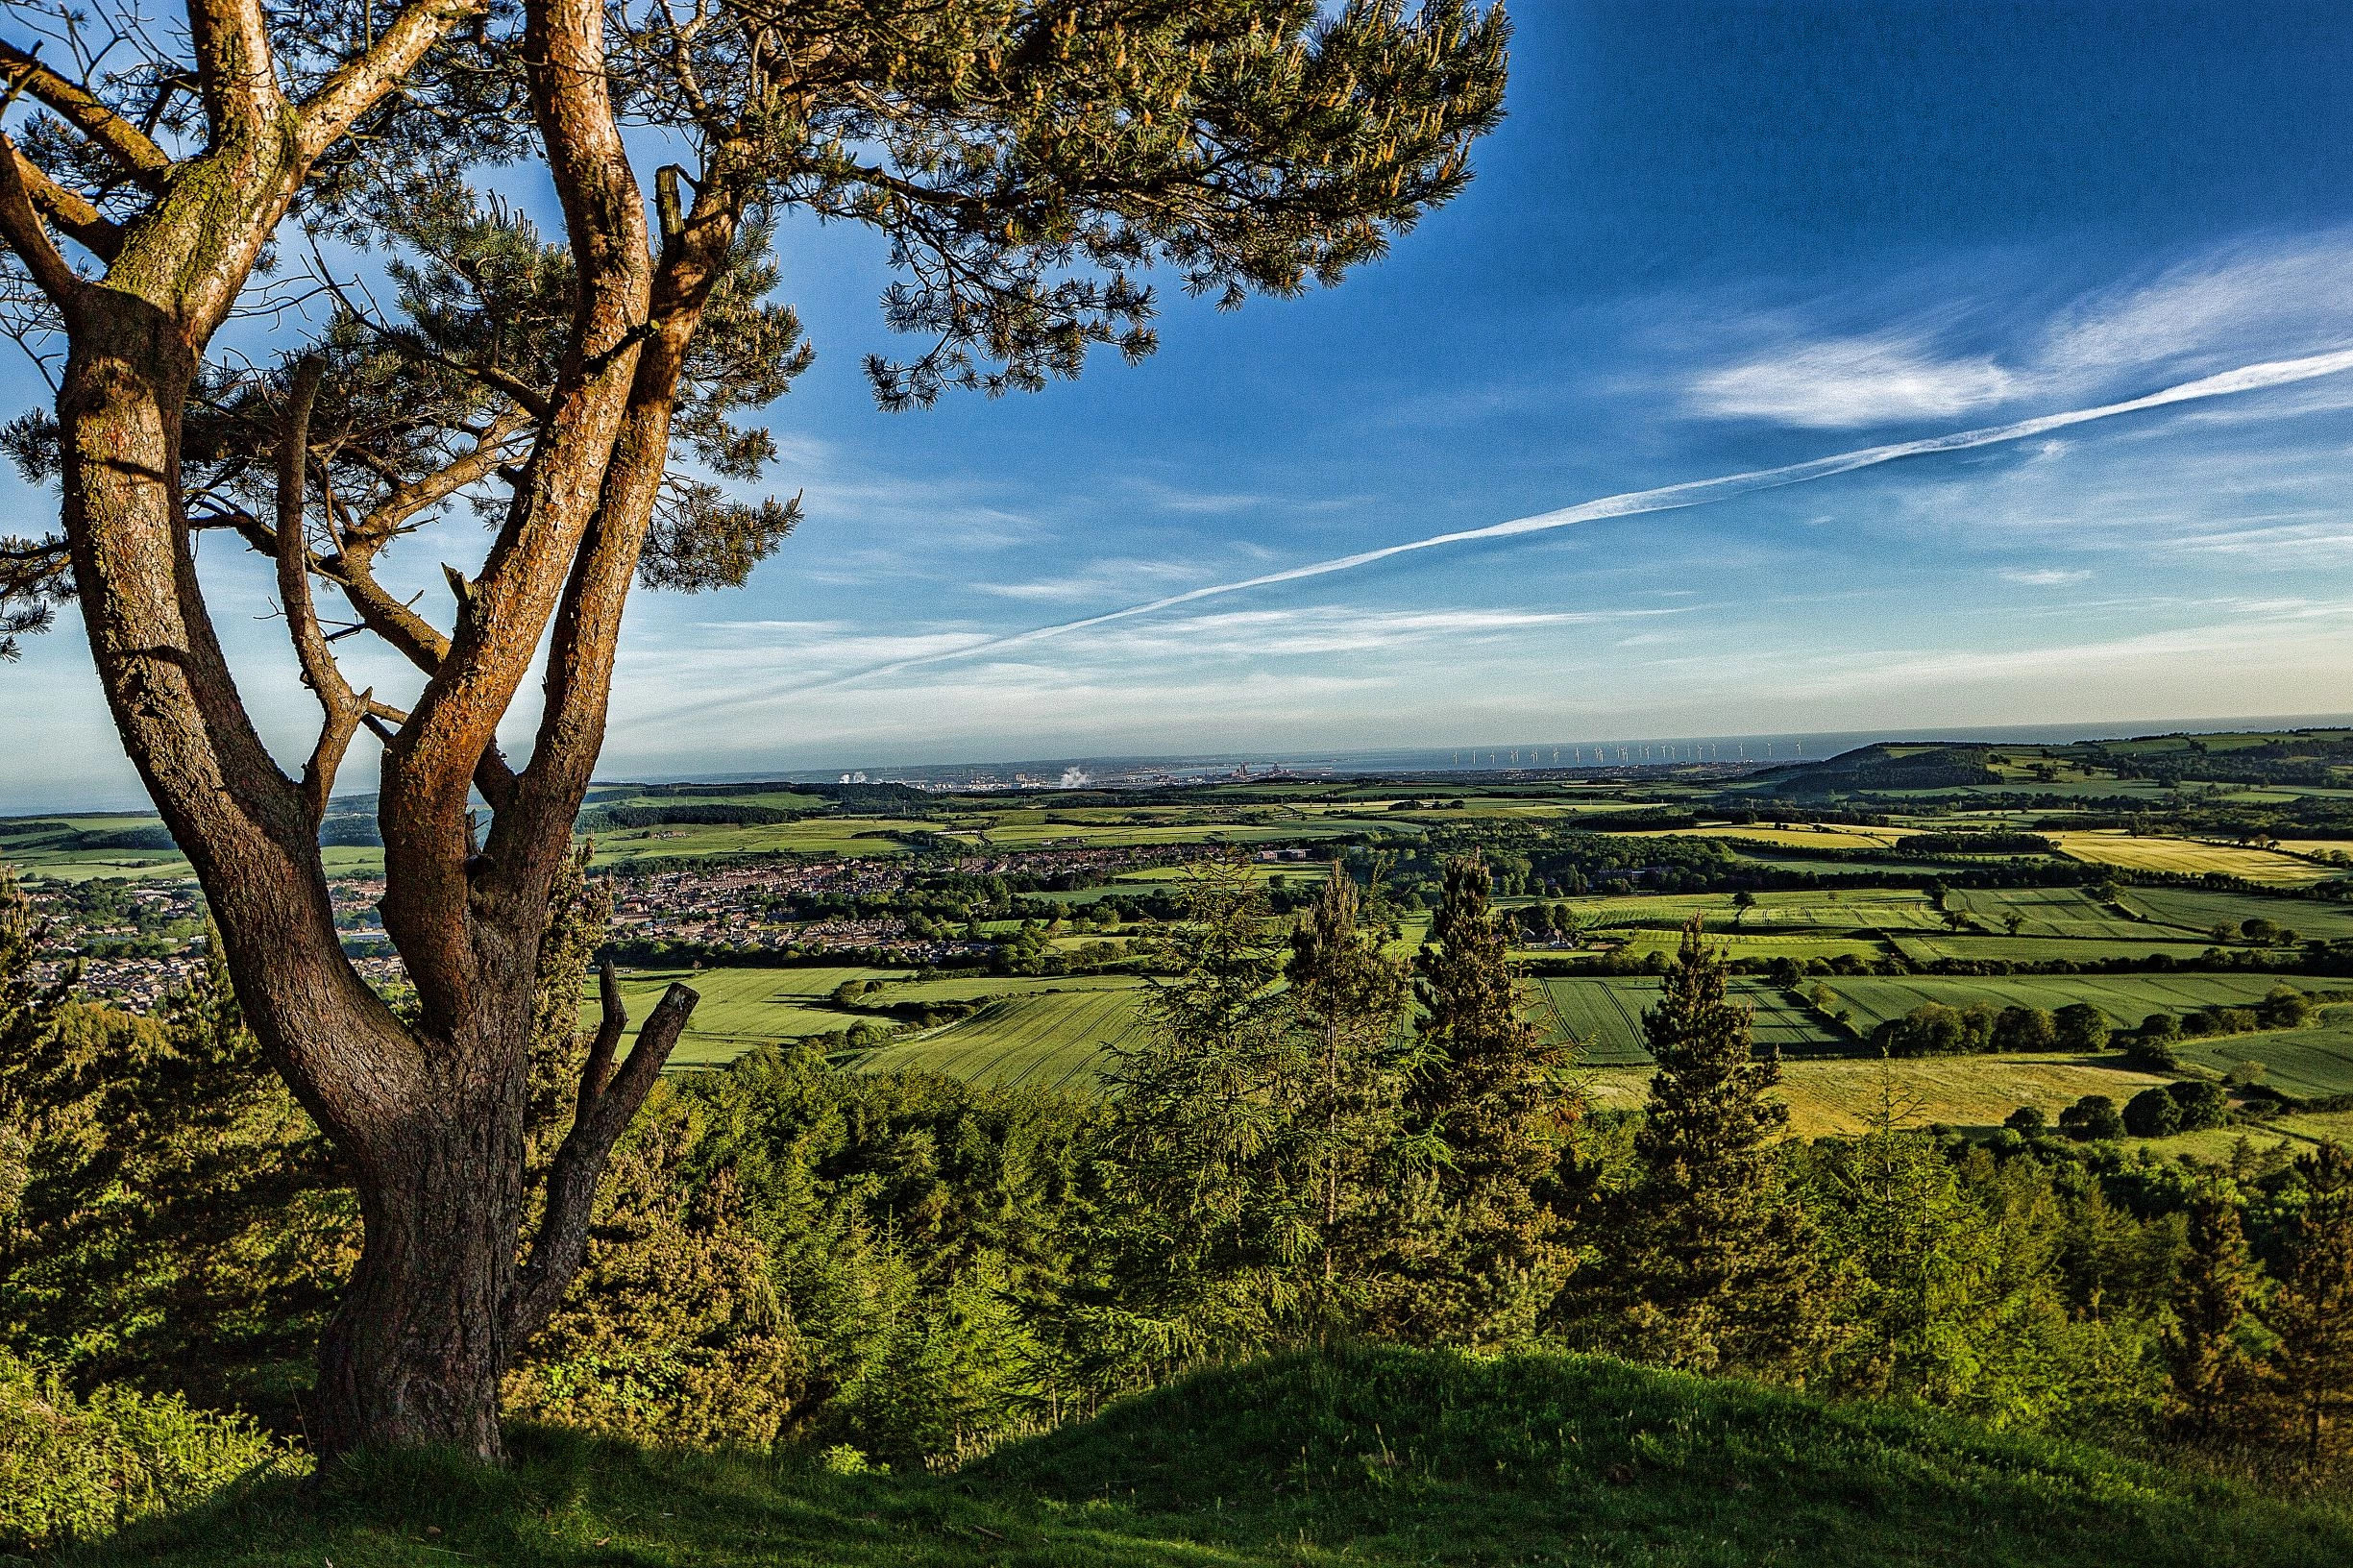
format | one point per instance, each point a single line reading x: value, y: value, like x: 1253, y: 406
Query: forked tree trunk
x: 429, y: 1118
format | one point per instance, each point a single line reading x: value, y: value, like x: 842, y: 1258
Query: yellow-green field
x: 1053, y: 1041
x: 1830, y: 1096
x: 2193, y: 857
x: 740, y: 1009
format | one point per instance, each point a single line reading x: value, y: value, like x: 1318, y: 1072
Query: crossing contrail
x: 1665, y: 499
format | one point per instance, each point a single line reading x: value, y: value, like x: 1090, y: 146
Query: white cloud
x: 2046, y: 577
x: 2296, y: 295
x: 2274, y: 299
x: 1842, y: 384
x: 1096, y: 579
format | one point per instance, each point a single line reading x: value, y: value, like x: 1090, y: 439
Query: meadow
x: 2190, y: 857
x: 741, y: 1009
x: 1601, y: 1015
x: 1052, y: 1041
x: 2124, y: 998
x: 2315, y: 1063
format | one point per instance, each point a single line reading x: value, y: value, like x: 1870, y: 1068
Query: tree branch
x: 360, y: 84
x: 93, y: 230
x: 604, y: 1111
x: 22, y: 229
x: 130, y: 147
x: 235, y: 73
x: 343, y: 710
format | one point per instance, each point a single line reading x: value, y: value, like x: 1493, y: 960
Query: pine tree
x: 2205, y: 1348
x: 1212, y: 1218
x: 1488, y: 1097
x: 2311, y: 1311
x: 1345, y: 995
x: 1709, y: 1259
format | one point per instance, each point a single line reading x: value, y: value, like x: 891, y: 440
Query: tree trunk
x: 421, y: 1339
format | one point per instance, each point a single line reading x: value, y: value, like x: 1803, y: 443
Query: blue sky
x: 1709, y: 240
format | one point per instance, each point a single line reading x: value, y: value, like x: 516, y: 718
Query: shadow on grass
x: 1368, y: 1456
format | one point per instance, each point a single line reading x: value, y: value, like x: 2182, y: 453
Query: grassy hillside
x: 1375, y: 1457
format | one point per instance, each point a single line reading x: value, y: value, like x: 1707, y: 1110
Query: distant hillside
x: 1870, y: 768
x: 1375, y: 1457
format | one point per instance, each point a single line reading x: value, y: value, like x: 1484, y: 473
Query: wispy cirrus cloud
x: 2261, y: 298
x: 1843, y: 383
x: 2043, y: 576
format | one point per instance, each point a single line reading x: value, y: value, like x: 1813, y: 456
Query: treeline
x: 1316, y: 1141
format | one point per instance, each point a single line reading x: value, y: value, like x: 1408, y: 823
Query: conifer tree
x: 1488, y: 1097
x: 2311, y: 1310
x: 1345, y: 997
x: 2205, y: 1347
x: 1212, y: 1218
x: 1708, y: 1256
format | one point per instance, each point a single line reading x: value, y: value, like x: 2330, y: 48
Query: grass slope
x: 1370, y: 1457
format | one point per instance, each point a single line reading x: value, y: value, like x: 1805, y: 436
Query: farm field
x: 740, y: 1009
x: 2191, y: 857
x: 2310, y: 1064
x: 1828, y: 1095
x: 1824, y: 837
x: 1929, y: 949
x: 972, y: 988
x: 2047, y: 912
x: 2125, y: 998
x: 1603, y: 1016
x: 1745, y: 943
x: 1052, y: 1041
x: 2194, y: 909
x: 1835, y: 909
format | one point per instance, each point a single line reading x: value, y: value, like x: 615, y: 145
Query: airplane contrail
x: 1665, y: 499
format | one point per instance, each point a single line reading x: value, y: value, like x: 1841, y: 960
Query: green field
x: 1929, y: 949
x: 1838, y: 909
x: 1048, y: 1041
x: 2314, y: 1064
x: 2125, y: 998
x: 1602, y: 1015
x: 740, y: 1009
x: 1751, y: 944
x: 2194, y: 910
x: 2047, y: 912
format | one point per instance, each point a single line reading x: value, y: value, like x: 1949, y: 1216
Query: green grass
x: 1368, y: 1456
x: 2125, y: 998
x: 2314, y: 1063
x: 1923, y: 948
x: 1846, y: 909
x: 2047, y: 912
x: 1603, y: 1016
x: 1049, y: 1041
x: 2201, y: 912
x: 740, y: 1009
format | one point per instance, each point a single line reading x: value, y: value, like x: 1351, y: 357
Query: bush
x: 2285, y: 1008
x: 2026, y: 1029
x: 2093, y: 1117
x: 2028, y: 1120
x: 2083, y: 1027
x: 2153, y: 1113
x: 70, y: 1469
x: 2202, y: 1104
